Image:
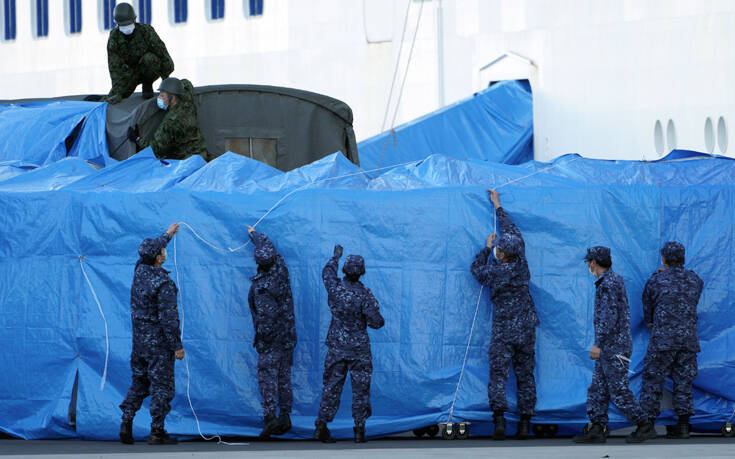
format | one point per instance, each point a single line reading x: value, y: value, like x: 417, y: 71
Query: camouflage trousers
x: 274, y: 381
x: 153, y: 374
x: 682, y: 366
x: 610, y: 383
x: 149, y: 69
x: 335, y: 373
x: 521, y: 353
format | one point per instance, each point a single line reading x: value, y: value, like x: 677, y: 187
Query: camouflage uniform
x: 140, y: 57
x: 271, y: 306
x: 670, y: 302
x: 156, y: 333
x: 354, y: 308
x: 178, y: 136
x: 514, y: 317
x: 613, y: 337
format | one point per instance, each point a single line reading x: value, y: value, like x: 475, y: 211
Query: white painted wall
x: 605, y: 70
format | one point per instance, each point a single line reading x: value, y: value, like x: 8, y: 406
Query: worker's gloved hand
x: 337, y: 250
x: 112, y: 100
x: 133, y: 134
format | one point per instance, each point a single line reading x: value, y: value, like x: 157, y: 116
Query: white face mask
x: 127, y: 29
x: 495, y: 252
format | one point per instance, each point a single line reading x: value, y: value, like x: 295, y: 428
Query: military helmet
x: 124, y: 14
x: 172, y: 86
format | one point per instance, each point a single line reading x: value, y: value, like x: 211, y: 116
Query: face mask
x: 161, y: 104
x: 127, y: 29
x: 495, y: 252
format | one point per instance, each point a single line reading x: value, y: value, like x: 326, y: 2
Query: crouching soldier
x: 670, y: 300
x: 156, y: 340
x: 271, y: 305
x: 354, y: 308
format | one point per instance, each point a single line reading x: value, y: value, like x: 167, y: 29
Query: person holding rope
x: 670, y: 300
x: 271, y: 305
x: 156, y: 340
x: 611, y: 353
x: 514, y: 320
x: 354, y: 308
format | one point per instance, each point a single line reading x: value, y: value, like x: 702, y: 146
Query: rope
x: 395, y: 71
x: 99, y: 307
x: 403, y: 84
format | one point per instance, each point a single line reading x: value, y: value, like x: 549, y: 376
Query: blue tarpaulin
x: 417, y: 226
x: 495, y: 124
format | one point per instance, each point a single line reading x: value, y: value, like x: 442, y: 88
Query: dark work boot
x: 147, y: 90
x: 681, y: 429
x: 595, y: 434
x: 322, y: 434
x: 524, y: 427
x: 160, y: 437
x: 270, y: 424
x: 126, y: 432
x: 283, y: 424
x: 645, y: 431
x: 359, y: 433
x: 499, y: 426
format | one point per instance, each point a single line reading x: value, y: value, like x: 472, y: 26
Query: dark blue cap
x: 600, y: 254
x: 509, y: 243
x: 149, y: 249
x: 354, y: 265
x: 265, y: 253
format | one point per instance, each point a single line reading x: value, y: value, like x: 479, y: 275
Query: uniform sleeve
x: 166, y: 138
x: 168, y: 315
x: 330, y: 277
x: 508, y: 227
x: 259, y: 239
x: 251, y: 304
x: 480, y: 269
x: 158, y: 47
x: 648, y: 302
x: 371, y: 311
x: 608, y: 316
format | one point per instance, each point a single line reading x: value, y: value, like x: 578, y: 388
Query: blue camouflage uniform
x: 271, y: 305
x: 613, y: 337
x: 354, y: 308
x: 670, y: 300
x: 514, y: 317
x: 156, y: 335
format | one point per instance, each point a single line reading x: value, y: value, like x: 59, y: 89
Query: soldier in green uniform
x: 135, y: 55
x: 178, y: 135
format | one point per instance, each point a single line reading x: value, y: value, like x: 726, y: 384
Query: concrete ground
x: 396, y: 447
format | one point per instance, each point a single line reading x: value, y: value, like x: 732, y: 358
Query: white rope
x: 395, y: 71
x: 466, y: 351
x: 99, y: 307
x: 186, y: 357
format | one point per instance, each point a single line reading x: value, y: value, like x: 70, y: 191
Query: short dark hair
x: 604, y: 263
x: 674, y: 261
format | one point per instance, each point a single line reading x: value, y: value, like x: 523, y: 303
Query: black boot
x: 126, y: 432
x: 359, y: 434
x: 681, y: 429
x: 283, y: 424
x: 160, y: 437
x: 270, y: 424
x: 147, y: 90
x: 524, y: 427
x: 322, y: 434
x: 645, y: 431
x: 499, y: 428
x: 594, y: 434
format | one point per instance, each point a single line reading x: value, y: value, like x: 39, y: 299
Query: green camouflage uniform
x: 178, y: 135
x: 140, y: 57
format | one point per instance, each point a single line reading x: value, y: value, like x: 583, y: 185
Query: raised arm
x: 329, y: 273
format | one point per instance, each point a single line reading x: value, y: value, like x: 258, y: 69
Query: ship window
x: 658, y: 138
x: 144, y: 11
x: 7, y: 20
x: 216, y: 9
x: 179, y: 10
x: 40, y: 15
x: 73, y: 16
x: 722, y: 135
x: 709, y: 135
x: 106, y: 8
x: 671, y: 135
x: 253, y: 7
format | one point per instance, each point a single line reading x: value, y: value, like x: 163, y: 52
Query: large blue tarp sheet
x: 36, y: 132
x: 418, y: 227
x: 495, y: 124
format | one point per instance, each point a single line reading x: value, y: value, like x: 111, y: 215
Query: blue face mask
x: 161, y: 104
